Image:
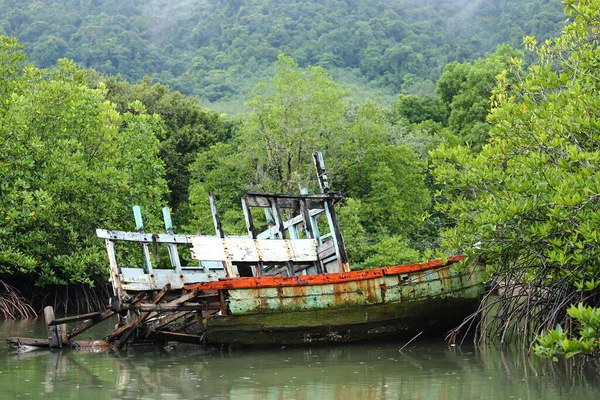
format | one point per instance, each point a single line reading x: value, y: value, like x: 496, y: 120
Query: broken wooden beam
x: 175, y: 307
x: 161, y: 295
x: 21, y: 341
x: 144, y: 316
x: 161, y: 321
x: 44, y: 343
x: 89, y: 323
x: 188, y: 323
x: 122, y: 333
x: 74, y: 318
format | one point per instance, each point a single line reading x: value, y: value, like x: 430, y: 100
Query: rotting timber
x: 289, y: 284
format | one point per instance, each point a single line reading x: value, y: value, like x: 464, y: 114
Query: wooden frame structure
x: 151, y: 301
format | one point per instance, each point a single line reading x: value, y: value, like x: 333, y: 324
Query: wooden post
x: 56, y: 333
x: 115, y: 276
x: 258, y: 270
x: 215, y: 215
x: 321, y: 174
x: 173, y: 253
x: 280, y: 230
x: 277, y: 216
x: 338, y: 241
x: 222, y: 304
x: 248, y: 217
x: 308, y: 228
x: 227, y: 266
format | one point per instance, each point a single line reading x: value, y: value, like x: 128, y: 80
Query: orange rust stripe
x: 403, y: 269
x: 320, y: 279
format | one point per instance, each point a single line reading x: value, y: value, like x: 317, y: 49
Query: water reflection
x: 374, y: 371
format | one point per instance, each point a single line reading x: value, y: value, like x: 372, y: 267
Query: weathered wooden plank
x: 114, y: 274
x: 134, y: 279
x: 74, y: 318
x: 264, y: 200
x: 122, y: 333
x: 216, y: 219
x: 258, y: 268
x: 327, y: 249
x: 143, y: 237
x: 167, y: 319
x: 22, y: 341
x: 276, y: 212
x: 272, y: 231
x: 208, y: 248
x: 248, y: 218
x: 191, y: 320
x: 249, y: 250
x: 144, y: 316
x: 171, y: 308
x: 316, y: 196
x: 220, y: 234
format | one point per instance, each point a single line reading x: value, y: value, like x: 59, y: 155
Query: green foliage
x: 419, y: 109
x: 11, y: 59
x: 368, y: 248
x: 294, y: 116
x: 464, y: 89
x: 528, y: 203
x: 556, y: 341
x: 222, y: 169
x: 301, y: 111
x: 530, y: 194
x: 390, y: 184
x: 187, y: 129
x: 69, y: 163
x: 218, y: 50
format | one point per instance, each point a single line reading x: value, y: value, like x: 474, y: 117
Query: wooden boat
x: 398, y: 301
x: 289, y: 284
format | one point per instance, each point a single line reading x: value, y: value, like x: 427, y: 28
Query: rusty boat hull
x: 397, y: 302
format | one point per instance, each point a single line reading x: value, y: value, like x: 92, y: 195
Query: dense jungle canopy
x: 218, y: 50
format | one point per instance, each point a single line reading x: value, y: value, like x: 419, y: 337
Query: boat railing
x: 294, y: 234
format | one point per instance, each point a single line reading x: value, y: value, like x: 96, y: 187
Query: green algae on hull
x: 394, y: 305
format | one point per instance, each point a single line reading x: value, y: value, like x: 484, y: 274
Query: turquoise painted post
x: 137, y: 214
x: 139, y: 225
x: 293, y: 232
x: 271, y: 222
x: 167, y: 218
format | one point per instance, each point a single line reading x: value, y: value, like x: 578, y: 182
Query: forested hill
x: 219, y: 49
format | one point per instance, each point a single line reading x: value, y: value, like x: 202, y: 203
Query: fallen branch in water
x: 407, y: 343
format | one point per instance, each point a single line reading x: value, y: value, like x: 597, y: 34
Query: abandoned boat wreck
x: 289, y: 284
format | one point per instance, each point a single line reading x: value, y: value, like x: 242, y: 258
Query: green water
x: 423, y: 370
